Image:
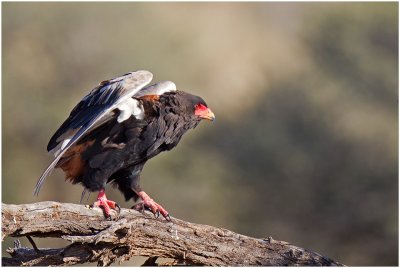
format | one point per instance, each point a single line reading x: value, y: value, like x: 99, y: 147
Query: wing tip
x: 46, y: 173
x: 40, y: 183
x: 142, y: 75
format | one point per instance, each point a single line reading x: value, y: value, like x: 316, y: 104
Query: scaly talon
x: 149, y: 204
x: 105, y: 204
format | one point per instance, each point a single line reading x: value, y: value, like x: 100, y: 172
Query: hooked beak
x: 205, y: 114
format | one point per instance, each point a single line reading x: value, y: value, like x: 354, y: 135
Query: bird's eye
x: 200, y: 106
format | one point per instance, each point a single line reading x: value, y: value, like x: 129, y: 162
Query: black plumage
x: 126, y: 147
x: 96, y: 145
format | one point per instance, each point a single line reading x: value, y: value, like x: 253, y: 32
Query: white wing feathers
x: 130, y: 107
x: 133, y: 107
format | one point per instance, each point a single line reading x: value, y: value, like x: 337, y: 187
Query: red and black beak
x: 204, y: 112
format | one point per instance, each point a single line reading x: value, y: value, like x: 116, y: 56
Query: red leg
x: 151, y: 205
x: 106, y: 204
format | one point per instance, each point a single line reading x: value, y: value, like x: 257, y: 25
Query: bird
x: 115, y: 129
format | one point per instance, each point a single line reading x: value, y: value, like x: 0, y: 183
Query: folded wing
x: 93, y: 110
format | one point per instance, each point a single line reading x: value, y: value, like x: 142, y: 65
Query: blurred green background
x: 305, y: 145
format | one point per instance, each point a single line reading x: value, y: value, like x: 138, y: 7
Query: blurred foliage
x: 305, y: 146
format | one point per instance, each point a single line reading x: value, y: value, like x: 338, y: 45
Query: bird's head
x: 195, y: 106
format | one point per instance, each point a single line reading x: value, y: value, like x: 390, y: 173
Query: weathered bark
x: 94, y: 239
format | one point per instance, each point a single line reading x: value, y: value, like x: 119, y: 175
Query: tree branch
x: 94, y: 239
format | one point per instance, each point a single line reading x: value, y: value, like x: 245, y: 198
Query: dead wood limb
x: 94, y: 239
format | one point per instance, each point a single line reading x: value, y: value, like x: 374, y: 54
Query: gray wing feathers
x: 156, y: 89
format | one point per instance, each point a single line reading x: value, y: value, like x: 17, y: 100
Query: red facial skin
x: 204, y: 112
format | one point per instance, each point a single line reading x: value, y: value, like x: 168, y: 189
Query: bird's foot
x: 150, y: 204
x: 105, y: 204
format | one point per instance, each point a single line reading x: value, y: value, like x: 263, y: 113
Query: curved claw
x: 157, y: 214
x: 117, y: 208
x: 167, y: 217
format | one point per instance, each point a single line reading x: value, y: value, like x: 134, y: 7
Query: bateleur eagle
x: 116, y: 128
